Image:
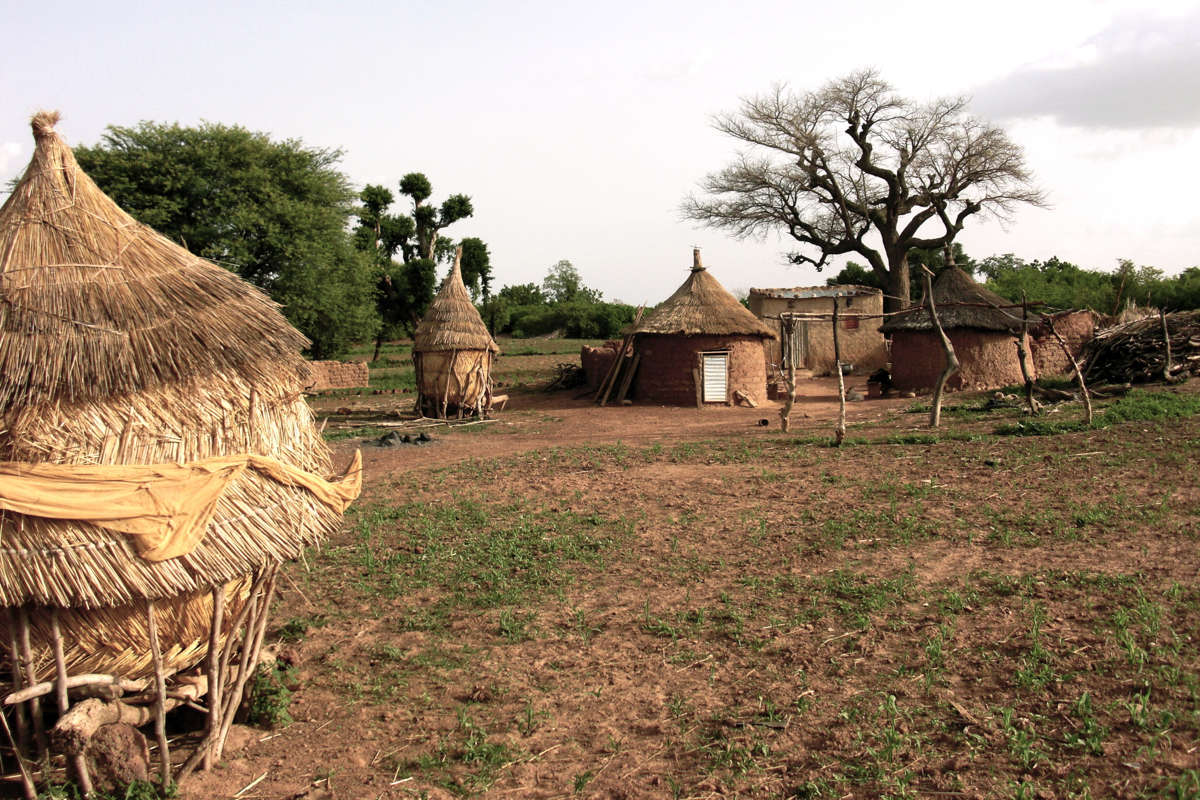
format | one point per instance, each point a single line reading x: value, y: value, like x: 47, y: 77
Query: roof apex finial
x: 696, y: 265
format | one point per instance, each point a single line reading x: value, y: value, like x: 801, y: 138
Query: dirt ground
x: 630, y: 602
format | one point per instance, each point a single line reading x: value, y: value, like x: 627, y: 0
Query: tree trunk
x: 935, y: 413
x: 896, y: 298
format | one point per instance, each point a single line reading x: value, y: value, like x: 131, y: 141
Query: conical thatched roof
x: 118, y: 347
x: 702, y: 306
x: 452, y: 321
x: 95, y: 304
x: 961, y: 303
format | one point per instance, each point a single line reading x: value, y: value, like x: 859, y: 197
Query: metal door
x: 716, y: 377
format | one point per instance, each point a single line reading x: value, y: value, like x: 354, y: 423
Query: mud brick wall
x: 664, y: 373
x: 324, y: 375
x: 988, y: 360
x: 1075, y: 327
x: 596, y: 361
x: 863, y: 346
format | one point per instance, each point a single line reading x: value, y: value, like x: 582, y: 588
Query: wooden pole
x: 935, y: 413
x: 839, y: 432
x: 26, y: 778
x: 160, y: 697
x: 256, y: 629
x: 1023, y: 356
x: 449, y: 375
x: 1166, y: 373
x: 1087, y: 400
x: 213, y: 723
x: 637, y: 357
x: 787, y: 328
x: 35, y: 705
x: 78, y: 762
x: 18, y: 681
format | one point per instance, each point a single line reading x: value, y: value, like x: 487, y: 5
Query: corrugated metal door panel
x: 716, y: 371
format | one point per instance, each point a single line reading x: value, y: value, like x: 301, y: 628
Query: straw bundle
x: 118, y: 346
x: 703, y: 307
x: 453, y: 351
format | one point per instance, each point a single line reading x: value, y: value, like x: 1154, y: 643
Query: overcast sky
x: 577, y: 128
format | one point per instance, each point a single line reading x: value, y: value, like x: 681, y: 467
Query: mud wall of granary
x: 596, y: 362
x: 1075, y: 327
x: 665, y: 374
x: 324, y: 375
x: 987, y: 359
x: 863, y: 346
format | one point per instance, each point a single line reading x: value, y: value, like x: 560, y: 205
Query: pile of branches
x: 1136, y: 352
x: 568, y: 376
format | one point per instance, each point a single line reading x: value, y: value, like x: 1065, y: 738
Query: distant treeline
x: 561, y: 304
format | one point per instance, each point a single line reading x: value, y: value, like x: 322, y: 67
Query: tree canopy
x: 274, y: 212
x: 562, y: 304
x: 854, y: 168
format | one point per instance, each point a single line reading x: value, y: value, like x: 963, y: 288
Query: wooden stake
x: 935, y: 413
x: 787, y: 328
x: 637, y: 357
x: 26, y: 777
x: 160, y: 697
x: 839, y: 433
x: 1087, y: 400
x: 1023, y: 356
x: 35, y: 705
x: 449, y: 376
x: 78, y: 762
x: 1166, y: 373
x: 213, y: 723
x: 18, y: 683
x: 256, y: 629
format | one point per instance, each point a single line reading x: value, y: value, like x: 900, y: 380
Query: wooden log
x: 1166, y: 370
x: 1023, y: 357
x: 787, y: 327
x: 18, y: 682
x: 212, y: 723
x: 35, y: 704
x: 160, y: 699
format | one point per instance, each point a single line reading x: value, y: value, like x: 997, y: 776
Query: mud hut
x: 453, y: 352
x: 981, y: 329
x: 860, y: 342
x: 157, y: 464
x: 700, y: 346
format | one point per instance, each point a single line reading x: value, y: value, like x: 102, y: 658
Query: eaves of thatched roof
x: 452, y: 322
x: 961, y: 303
x: 94, y: 304
x: 703, y: 307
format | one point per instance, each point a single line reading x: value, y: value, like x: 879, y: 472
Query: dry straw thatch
x: 453, y: 352
x: 961, y: 303
x: 118, y: 346
x: 702, y: 307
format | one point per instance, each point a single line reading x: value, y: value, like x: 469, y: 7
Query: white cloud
x: 10, y: 157
x: 1139, y: 72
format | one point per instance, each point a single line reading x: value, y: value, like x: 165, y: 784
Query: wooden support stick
x: 35, y: 704
x: 26, y: 777
x: 256, y: 629
x: 18, y: 682
x: 160, y: 699
x: 78, y: 762
x: 1166, y: 373
x: 98, y: 680
x: 637, y: 357
x: 1023, y: 356
x: 935, y: 413
x: 449, y: 376
x: 213, y: 723
x: 839, y: 433
x: 1087, y: 400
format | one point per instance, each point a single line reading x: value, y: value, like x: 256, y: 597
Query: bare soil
x: 664, y: 602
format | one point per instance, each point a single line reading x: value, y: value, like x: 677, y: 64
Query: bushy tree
x: 275, y: 212
x: 476, y: 267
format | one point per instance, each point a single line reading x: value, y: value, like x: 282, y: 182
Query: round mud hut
x: 453, y: 353
x: 699, y: 347
x: 157, y: 464
x: 981, y: 329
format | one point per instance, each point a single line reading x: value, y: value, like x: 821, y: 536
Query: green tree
x: 274, y: 212
x: 405, y: 288
x: 563, y: 284
x: 853, y: 168
x: 476, y: 267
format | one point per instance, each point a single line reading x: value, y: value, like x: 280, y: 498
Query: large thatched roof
x: 961, y: 303
x: 95, y: 304
x: 702, y: 306
x: 118, y: 347
x: 452, y: 321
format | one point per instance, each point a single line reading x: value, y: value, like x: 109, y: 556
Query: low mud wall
x: 324, y: 375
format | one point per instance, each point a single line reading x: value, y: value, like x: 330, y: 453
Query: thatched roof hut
x: 126, y: 361
x: 979, y: 326
x: 453, y: 352
x: 700, y: 346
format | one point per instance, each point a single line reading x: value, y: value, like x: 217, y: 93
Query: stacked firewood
x: 1137, y: 351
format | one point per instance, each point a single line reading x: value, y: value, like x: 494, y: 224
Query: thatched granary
x: 699, y: 346
x: 453, y: 352
x: 158, y: 459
